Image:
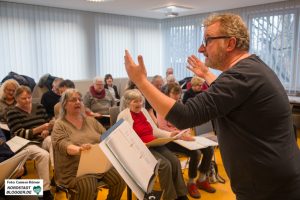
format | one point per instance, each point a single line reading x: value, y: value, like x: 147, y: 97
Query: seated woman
x: 196, y: 88
x: 130, y: 85
x: 174, y: 91
x: 7, y: 99
x: 108, y: 79
x: 169, y: 173
x: 31, y: 122
x: 99, y: 100
x: 73, y: 132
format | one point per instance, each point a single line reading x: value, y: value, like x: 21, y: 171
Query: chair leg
x: 129, y: 193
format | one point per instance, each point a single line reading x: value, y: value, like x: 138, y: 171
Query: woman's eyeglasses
x: 74, y: 100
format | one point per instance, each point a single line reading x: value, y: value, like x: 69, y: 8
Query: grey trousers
x: 169, y: 173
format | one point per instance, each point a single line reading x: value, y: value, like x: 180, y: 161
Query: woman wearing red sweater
x: 170, y: 176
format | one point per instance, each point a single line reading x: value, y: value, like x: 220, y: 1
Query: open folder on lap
x: 17, y: 143
x: 130, y: 157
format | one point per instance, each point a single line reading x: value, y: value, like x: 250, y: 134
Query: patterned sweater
x: 21, y: 123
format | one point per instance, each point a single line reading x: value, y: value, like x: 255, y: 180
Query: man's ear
x: 231, y: 44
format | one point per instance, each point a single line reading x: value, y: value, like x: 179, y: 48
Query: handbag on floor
x: 213, y: 175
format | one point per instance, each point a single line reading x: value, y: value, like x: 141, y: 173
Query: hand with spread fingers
x: 197, y: 66
x: 200, y: 69
x: 136, y: 73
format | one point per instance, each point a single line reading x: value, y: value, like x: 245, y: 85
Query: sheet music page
x: 133, y: 154
x: 191, y: 145
x: 93, y: 161
x: 137, y: 190
x: 130, y: 157
x: 199, y: 143
x: 16, y: 143
x: 205, y: 141
x: 4, y: 126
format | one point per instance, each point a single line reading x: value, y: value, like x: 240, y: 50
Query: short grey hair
x: 131, y: 95
x: 156, y: 77
x: 171, y: 78
x: 98, y: 78
x: 64, y: 99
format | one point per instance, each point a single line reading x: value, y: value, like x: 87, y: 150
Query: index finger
x: 127, y: 57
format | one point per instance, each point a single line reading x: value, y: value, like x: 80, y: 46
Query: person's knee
x: 195, y: 155
x: 208, y: 152
x: 47, y: 140
x: 45, y: 154
x: 165, y: 166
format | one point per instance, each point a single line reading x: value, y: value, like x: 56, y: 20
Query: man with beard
x: 249, y: 108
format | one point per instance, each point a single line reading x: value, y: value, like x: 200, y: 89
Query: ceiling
x: 144, y: 8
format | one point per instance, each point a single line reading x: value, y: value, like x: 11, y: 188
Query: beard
x: 217, y: 61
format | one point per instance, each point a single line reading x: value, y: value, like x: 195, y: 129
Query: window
x: 274, y: 38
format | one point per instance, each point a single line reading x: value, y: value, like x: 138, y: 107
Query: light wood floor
x: 223, y: 190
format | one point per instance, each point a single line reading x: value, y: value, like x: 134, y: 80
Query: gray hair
x: 231, y: 25
x: 64, y: 99
x: 156, y: 77
x: 171, y: 78
x: 131, y: 95
x: 5, y: 84
x: 56, y: 82
x: 98, y: 78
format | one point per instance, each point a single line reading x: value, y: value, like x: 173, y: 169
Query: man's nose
x: 201, y: 48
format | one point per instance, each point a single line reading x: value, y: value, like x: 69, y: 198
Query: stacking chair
x: 113, y: 113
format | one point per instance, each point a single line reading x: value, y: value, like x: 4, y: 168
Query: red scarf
x: 98, y: 95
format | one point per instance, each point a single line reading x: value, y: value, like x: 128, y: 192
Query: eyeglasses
x: 74, y: 100
x: 208, y: 39
x: 9, y: 90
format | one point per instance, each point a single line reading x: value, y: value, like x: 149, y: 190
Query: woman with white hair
x: 99, y: 100
x: 73, y: 133
x: 170, y: 176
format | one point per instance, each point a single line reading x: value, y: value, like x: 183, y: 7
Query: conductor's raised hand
x: 136, y: 72
x: 197, y: 66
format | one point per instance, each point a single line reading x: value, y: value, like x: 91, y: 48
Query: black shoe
x: 46, y: 196
x: 153, y: 195
x: 182, y: 198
